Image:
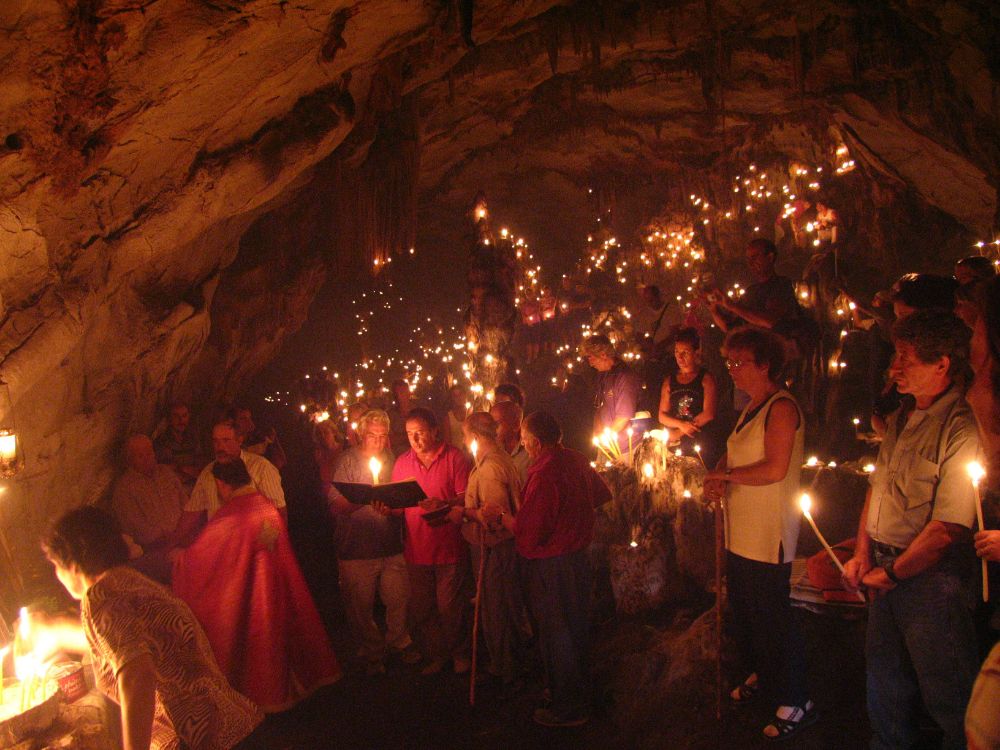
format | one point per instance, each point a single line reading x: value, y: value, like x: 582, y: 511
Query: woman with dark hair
x: 688, y: 398
x: 150, y: 655
x: 759, y: 477
x: 241, y: 579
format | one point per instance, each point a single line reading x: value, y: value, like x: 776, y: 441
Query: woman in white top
x: 759, y: 477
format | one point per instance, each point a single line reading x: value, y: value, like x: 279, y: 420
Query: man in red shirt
x: 552, y: 530
x: 436, y: 555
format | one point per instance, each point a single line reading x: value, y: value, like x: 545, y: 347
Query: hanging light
x: 11, y: 458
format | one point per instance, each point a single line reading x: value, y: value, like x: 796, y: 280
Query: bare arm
x: 188, y: 527
x: 137, y: 694
x: 779, y: 436
x: 709, y: 401
x: 718, y: 317
x: 58, y: 634
x: 858, y: 566
x: 928, y: 548
x: 340, y: 505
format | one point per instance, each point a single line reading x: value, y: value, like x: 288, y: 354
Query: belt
x: 887, y: 549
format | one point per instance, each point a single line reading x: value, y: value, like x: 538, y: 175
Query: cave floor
x: 405, y: 710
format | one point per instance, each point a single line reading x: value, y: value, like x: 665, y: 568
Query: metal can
x: 69, y: 675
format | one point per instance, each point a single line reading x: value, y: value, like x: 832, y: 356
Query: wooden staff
x: 475, y: 616
x: 720, y: 562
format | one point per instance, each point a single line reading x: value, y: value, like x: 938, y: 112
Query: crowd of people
x: 497, y: 552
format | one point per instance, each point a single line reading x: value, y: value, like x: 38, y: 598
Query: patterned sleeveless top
x: 687, y: 400
x: 125, y: 615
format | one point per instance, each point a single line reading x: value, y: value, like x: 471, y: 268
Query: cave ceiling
x: 179, y: 179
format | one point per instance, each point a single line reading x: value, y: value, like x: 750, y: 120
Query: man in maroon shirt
x: 552, y: 530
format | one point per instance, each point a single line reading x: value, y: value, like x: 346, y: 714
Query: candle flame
x: 805, y: 502
x: 976, y: 472
x: 375, y: 466
x: 812, y: 461
x: 647, y: 470
x: 474, y: 447
x: 24, y: 623
x: 697, y: 448
x: 869, y: 468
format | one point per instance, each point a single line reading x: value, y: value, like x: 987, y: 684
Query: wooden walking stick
x: 475, y: 616
x: 720, y: 537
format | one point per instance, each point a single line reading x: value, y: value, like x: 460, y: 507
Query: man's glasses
x: 732, y: 364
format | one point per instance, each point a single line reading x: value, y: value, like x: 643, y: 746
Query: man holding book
x: 369, y: 550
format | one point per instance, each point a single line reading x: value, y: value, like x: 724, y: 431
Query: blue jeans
x: 920, y: 644
x: 559, y: 597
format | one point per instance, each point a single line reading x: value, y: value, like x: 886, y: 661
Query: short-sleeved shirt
x: 556, y: 516
x: 920, y: 474
x: 617, y: 394
x: 125, y: 616
x: 494, y: 481
x: 263, y: 474
x: 775, y: 296
x: 445, y: 479
x: 148, y: 507
x: 521, y: 460
x: 364, y: 534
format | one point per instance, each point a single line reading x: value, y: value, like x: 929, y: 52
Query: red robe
x: 243, y: 583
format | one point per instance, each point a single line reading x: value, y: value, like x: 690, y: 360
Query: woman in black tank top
x: 688, y: 400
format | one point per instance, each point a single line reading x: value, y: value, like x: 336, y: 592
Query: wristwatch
x: 888, y: 568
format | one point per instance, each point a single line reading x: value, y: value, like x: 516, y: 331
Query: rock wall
x: 177, y: 176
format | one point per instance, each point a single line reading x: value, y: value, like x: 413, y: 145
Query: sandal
x: 746, y: 691
x: 794, y: 721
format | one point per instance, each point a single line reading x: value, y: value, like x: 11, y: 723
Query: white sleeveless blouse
x: 762, y: 523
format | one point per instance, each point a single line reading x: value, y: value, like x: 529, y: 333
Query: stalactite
x: 550, y: 36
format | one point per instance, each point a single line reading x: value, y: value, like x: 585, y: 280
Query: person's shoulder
x: 456, y: 456
x: 962, y: 421
x: 256, y: 462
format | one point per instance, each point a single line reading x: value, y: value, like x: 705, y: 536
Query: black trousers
x: 763, y: 625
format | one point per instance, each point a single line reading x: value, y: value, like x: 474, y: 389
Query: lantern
x: 11, y: 458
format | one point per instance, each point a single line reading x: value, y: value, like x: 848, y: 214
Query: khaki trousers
x: 359, y: 580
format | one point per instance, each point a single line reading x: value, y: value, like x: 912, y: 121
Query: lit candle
x: 474, y: 448
x: 976, y: 474
x: 375, y: 466
x: 629, y: 433
x: 600, y: 447
x: 8, y: 447
x: 805, y: 503
x: 697, y: 449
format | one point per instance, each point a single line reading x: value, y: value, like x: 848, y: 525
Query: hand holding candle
x: 805, y: 503
x: 976, y: 474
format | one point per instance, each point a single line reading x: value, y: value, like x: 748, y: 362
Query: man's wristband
x: 889, y: 571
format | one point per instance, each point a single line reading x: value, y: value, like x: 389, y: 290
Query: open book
x: 405, y: 494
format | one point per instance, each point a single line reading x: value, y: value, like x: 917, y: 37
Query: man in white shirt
x: 205, y: 500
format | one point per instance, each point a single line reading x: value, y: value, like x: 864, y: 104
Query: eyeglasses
x: 732, y: 364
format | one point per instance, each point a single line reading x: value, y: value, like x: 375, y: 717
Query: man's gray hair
x: 935, y: 334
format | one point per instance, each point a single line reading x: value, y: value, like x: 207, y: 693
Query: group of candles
x: 31, y: 672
